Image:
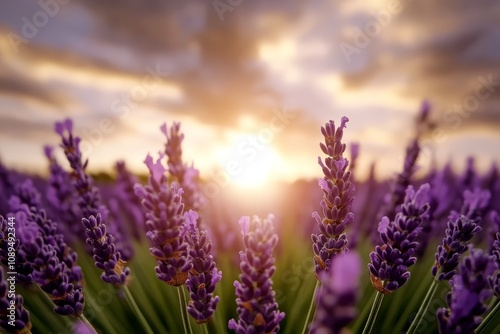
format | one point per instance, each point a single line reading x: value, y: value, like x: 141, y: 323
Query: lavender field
x: 233, y: 166
x: 406, y: 255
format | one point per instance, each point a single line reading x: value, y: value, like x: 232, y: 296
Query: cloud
x: 214, y: 73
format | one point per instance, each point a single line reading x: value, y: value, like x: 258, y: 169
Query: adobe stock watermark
x: 31, y: 25
x: 247, y: 151
x: 294, y: 277
x: 223, y: 6
x: 429, y: 317
x: 121, y: 108
x: 372, y: 29
x: 455, y: 115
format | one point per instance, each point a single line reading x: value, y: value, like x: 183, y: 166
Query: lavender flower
x: 458, y: 235
x: 204, y: 275
x: 257, y: 309
x: 173, y: 150
x: 26, y: 199
x: 474, y: 206
x: 336, y: 300
x: 24, y: 193
x: 164, y: 224
x: 61, y: 195
x: 390, y: 262
x: 23, y: 268
x: 469, y: 292
x: 354, y: 148
x: 337, y: 199
x: 48, y: 271
x: 397, y: 193
x: 125, y: 182
x: 89, y: 199
x: 186, y: 176
x: 14, y: 318
x: 494, y: 279
x: 104, y: 252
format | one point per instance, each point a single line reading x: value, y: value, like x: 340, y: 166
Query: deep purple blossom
x: 494, y: 279
x: 256, y: 306
x: 61, y: 195
x: 89, y: 199
x: 104, y: 252
x: 14, y: 318
x: 397, y: 193
x: 26, y: 199
x: 173, y: 150
x: 125, y: 182
x: 337, y: 199
x: 469, y: 292
x: 23, y: 268
x: 475, y: 204
x: 336, y: 300
x: 164, y: 224
x: 48, y: 270
x: 458, y: 235
x: 204, y: 275
x: 390, y: 261
x: 186, y: 176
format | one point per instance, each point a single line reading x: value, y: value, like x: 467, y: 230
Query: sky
x: 251, y: 81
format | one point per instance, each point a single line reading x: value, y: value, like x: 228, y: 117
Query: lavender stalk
x: 390, y: 261
x: 257, y: 308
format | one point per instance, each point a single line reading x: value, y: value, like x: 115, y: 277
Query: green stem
x: 137, y: 311
x: 205, y: 328
x: 423, y: 307
x: 211, y: 326
x: 310, y: 312
x: 488, y: 318
x: 184, y: 314
x: 85, y: 320
x: 373, y: 313
x: 364, y: 312
x: 493, y: 302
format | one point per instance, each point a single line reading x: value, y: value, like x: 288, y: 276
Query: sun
x: 257, y: 172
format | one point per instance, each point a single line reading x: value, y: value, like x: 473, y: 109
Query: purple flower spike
x: 47, y: 269
x: 390, y: 261
x: 458, y: 235
x: 397, y: 194
x: 257, y: 308
x: 49, y: 229
x: 164, y: 225
x: 104, y: 252
x: 186, y: 176
x: 89, y: 198
x: 173, y: 150
x: 13, y: 317
x: 204, y: 275
x: 23, y: 268
x: 62, y: 196
x: 336, y: 300
x: 475, y: 204
x: 494, y: 279
x: 469, y: 292
x: 337, y: 199
x: 125, y: 182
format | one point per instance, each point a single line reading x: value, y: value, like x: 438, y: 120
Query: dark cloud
x: 455, y: 43
x: 437, y: 50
